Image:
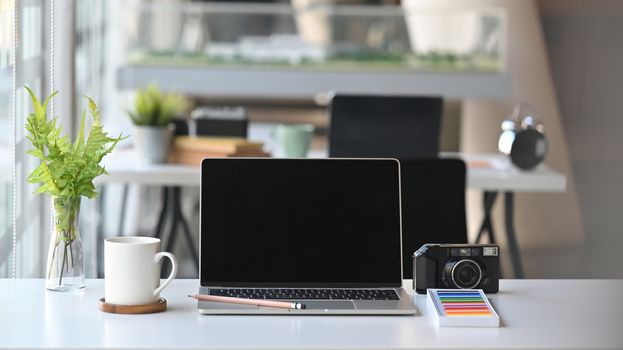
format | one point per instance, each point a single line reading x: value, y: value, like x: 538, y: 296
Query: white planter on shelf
x: 443, y: 26
x: 318, y: 26
x: 314, y: 27
x: 152, y: 143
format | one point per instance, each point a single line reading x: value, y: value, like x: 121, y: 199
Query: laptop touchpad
x: 331, y: 305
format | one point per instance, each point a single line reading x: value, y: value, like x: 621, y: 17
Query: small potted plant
x: 66, y: 172
x: 152, y: 114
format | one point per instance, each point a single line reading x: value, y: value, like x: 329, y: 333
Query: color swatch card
x: 462, y: 308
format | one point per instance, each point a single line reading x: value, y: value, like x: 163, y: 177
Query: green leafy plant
x: 66, y: 169
x: 152, y: 107
x: 66, y: 173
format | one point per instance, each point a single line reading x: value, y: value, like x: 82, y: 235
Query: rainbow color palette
x: 462, y: 308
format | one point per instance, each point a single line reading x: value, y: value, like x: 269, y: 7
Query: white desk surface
x: 499, y: 175
x: 543, y: 314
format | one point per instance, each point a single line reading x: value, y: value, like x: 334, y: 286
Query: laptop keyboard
x: 307, y: 293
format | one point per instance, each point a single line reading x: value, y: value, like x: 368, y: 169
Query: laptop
x: 325, y: 233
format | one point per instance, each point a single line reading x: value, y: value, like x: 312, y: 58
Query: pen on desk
x: 257, y: 302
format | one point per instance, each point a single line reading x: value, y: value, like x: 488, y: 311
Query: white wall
x: 585, y: 45
x: 566, y: 57
x: 542, y: 220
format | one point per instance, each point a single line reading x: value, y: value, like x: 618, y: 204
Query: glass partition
x: 6, y: 76
x: 305, y: 35
x: 22, y: 214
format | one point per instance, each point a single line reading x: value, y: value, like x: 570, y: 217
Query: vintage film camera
x: 456, y: 266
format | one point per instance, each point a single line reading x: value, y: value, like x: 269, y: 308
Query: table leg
x: 124, y: 205
x: 189, y: 239
x: 487, y: 224
x: 510, y: 234
x: 173, y: 212
x: 178, y: 217
x: 163, y: 212
x: 100, y: 231
x: 168, y: 209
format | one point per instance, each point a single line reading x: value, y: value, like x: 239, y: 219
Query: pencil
x: 257, y: 302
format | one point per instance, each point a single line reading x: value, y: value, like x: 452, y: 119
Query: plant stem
x: 71, y: 254
x: 66, y: 232
x: 60, y: 278
x: 66, y: 257
x: 52, y: 260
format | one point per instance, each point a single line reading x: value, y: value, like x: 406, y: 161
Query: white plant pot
x: 317, y: 26
x: 314, y: 27
x: 443, y: 25
x: 152, y: 143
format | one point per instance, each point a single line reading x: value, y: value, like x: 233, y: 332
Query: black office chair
x: 433, y: 205
x: 402, y: 127
x: 406, y: 128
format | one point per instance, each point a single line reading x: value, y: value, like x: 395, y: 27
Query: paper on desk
x: 497, y: 164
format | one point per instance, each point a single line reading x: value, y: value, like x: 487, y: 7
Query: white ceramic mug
x: 132, y: 270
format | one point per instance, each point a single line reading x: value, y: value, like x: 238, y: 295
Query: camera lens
x: 464, y: 274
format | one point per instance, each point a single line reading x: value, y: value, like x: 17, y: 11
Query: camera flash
x: 490, y: 251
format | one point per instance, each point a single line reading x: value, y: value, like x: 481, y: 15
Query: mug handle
x: 159, y: 257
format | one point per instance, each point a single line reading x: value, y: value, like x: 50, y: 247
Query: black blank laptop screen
x: 306, y: 222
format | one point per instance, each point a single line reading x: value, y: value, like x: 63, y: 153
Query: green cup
x: 294, y: 139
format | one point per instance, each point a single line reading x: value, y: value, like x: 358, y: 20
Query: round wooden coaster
x: 157, y: 306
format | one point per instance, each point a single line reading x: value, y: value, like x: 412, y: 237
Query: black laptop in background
x: 322, y: 232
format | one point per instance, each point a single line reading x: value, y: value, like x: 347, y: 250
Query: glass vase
x: 65, y: 267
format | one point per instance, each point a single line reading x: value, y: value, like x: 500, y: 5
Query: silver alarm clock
x: 523, y: 139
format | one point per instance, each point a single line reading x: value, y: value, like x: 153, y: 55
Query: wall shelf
x: 273, y: 83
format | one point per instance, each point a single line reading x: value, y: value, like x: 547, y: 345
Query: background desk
x: 498, y: 175
x: 124, y: 167
x: 543, y: 314
x: 494, y: 173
